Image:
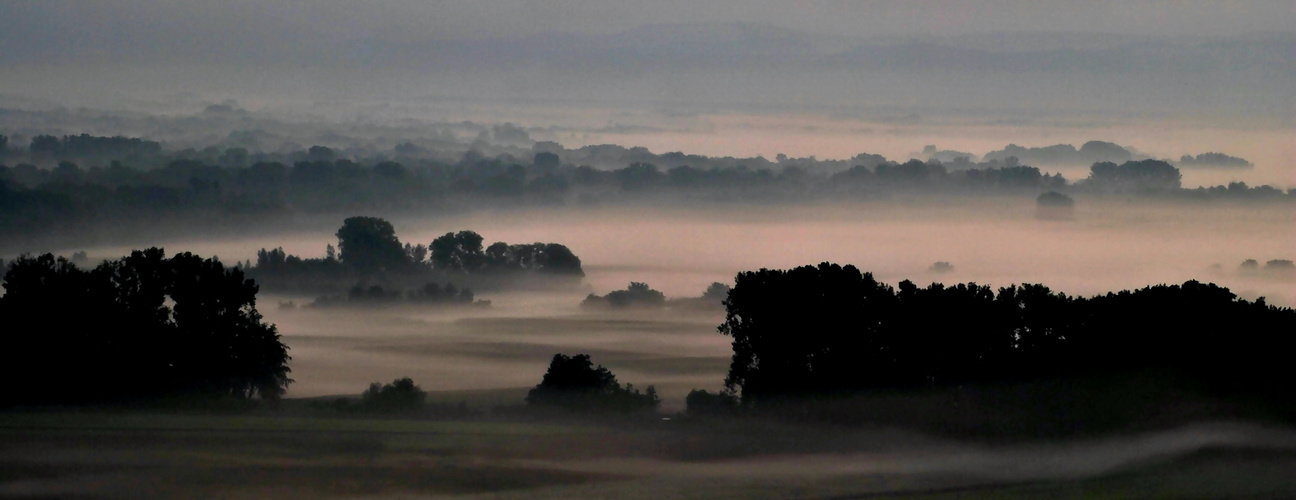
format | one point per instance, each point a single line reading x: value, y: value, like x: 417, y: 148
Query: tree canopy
x: 369, y: 244
x: 463, y: 252
x: 399, y: 396
x: 1134, y: 176
x: 830, y: 329
x: 573, y: 383
x: 635, y: 295
x: 369, y: 254
x: 138, y: 328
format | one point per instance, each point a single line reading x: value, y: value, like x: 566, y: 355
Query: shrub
x: 700, y: 402
x: 399, y: 396
x: 573, y: 383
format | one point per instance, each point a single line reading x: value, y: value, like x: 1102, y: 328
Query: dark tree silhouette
x: 830, y: 330
x: 1054, y: 199
x: 573, y: 383
x: 369, y: 244
x: 1280, y: 265
x: 635, y: 295
x: 370, y: 254
x: 807, y: 330
x: 399, y: 396
x: 137, y: 328
x: 1134, y: 176
x: 460, y: 251
x: 1053, y: 205
x: 700, y: 402
x: 463, y: 252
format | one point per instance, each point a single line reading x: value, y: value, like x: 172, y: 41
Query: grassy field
x: 278, y: 455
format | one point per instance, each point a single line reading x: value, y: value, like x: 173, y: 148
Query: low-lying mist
x: 1104, y: 247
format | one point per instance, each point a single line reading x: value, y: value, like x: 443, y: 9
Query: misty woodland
x: 918, y: 249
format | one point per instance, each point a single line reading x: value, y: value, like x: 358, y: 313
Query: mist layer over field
x: 1110, y: 245
x: 170, y: 456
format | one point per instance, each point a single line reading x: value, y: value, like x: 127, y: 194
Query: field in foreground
x: 153, y: 455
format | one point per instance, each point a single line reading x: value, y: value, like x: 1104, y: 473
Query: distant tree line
x: 641, y: 296
x: 831, y: 330
x: 1274, y: 267
x: 86, y: 147
x: 1064, y: 154
x: 1214, y: 160
x: 140, y: 328
x: 87, y: 180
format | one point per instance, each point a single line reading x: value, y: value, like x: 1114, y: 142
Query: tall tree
x: 369, y: 244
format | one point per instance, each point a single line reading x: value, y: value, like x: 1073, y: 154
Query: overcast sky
x: 58, y: 26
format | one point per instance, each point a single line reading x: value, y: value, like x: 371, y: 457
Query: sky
x: 33, y: 24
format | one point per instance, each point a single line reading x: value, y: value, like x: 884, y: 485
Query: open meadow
x: 287, y: 456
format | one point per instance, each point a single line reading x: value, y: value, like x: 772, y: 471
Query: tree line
x: 116, y: 186
x: 140, y: 328
x: 638, y: 295
x: 146, y: 327
x: 829, y: 330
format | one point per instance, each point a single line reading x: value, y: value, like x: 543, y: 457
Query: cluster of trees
x: 940, y: 267
x: 1272, y: 267
x: 402, y: 397
x: 463, y: 252
x: 399, y: 396
x: 573, y: 383
x: 1054, y: 199
x: 1134, y: 176
x: 135, y: 329
x: 1214, y: 160
x: 831, y: 330
x: 368, y: 249
x: 1064, y: 154
x: 1237, y: 191
x: 641, y: 296
x: 1054, y: 206
x: 636, y: 295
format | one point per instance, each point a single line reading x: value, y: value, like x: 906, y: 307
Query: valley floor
x: 283, y: 455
